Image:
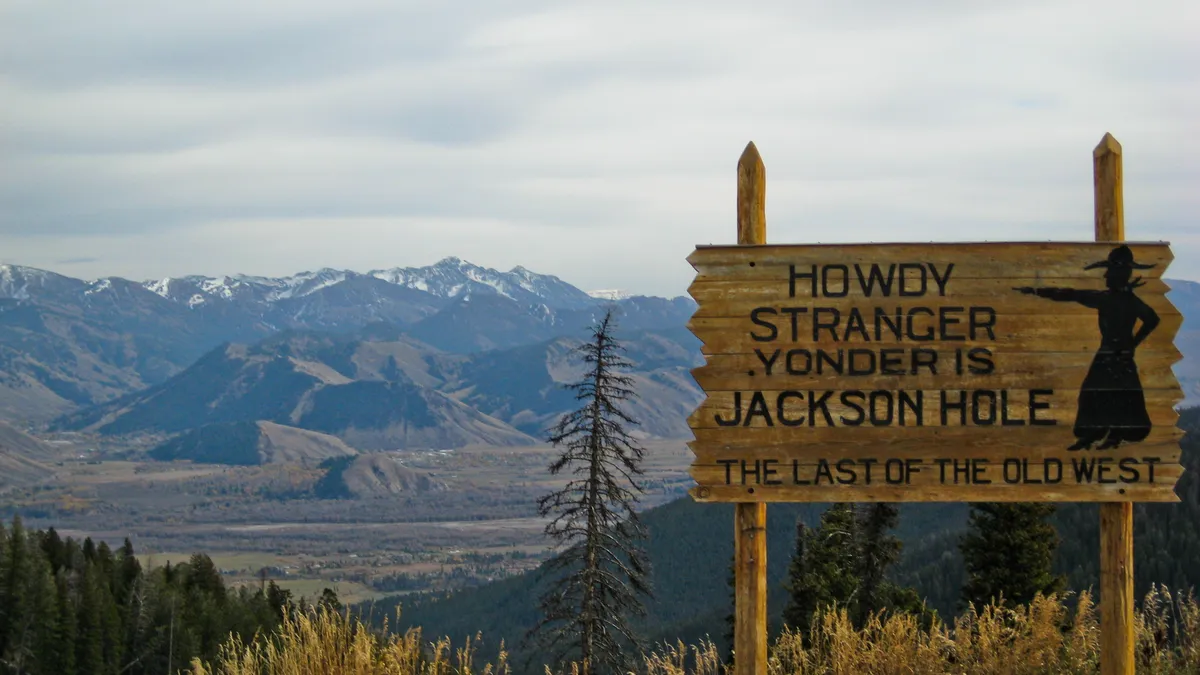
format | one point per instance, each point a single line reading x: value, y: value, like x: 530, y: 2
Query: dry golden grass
x: 1045, y: 637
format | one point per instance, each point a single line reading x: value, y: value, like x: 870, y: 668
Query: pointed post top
x: 750, y: 156
x: 751, y: 197
x: 1108, y: 145
x: 1108, y: 184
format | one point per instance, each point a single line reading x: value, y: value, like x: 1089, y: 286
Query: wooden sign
x: 935, y: 372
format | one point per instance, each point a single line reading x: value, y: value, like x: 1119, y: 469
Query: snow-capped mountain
x: 453, y: 277
x: 447, y: 279
x: 610, y: 294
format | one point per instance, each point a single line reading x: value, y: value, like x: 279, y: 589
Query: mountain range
x: 442, y: 356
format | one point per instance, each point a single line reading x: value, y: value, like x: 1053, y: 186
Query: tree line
x: 77, y: 608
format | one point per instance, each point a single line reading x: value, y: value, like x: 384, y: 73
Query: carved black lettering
x: 1004, y: 419
x: 846, y: 473
x: 867, y: 464
x: 758, y: 407
x: 862, y: 361
x: 855, y: 324
x: 978, y: 467
x: 756, y: 472
x: 960, y: 405
x: 1036, y: 405
x: 804, y: 356
x: 928, y: 335
x: 829, y: 289
x: 1084, y: 469
x: 737, y: 407
x: 794, y: 276
x: 923, y: 357
x: 911, y: 466
x: 1012, y: 471
x: 837, y: 365
x: 1150, y: 462
x: 772, y: 331
x: 768, y: 363
x: 875, y: 276
x: 728, y: 463
x: 911, y: 403
x: 769, y: 471
x: 796, y: 479
x: 1027, y: 475
x: 893, y: 324
x: 794, y: 313
x: 1103, y: 468
x: 943, y: 279
x: 891, y: 361
x: 1129, y: 470
x: 906, y: 271
x: 895, y: 477
x: 779, y: 409
x: 981, y: 361
x: 848, y: 400
x: 947, y: 318
x: 983, y: 407
x: 962, y: 469
x: 884, y: 418
x: 830, y: 324
x: 823, y: 472
x: 819, y: 404
x: 982, y: 319
x: 941, y: 464
x: 1052, y: 470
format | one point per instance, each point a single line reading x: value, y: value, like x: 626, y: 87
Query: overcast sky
x: 595, y: 141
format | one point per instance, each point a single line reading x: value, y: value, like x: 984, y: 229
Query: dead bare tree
x: 598, y: 580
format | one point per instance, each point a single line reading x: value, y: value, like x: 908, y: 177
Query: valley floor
x: 479, y: 524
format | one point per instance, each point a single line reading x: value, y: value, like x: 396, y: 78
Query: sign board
x: 935, y: 372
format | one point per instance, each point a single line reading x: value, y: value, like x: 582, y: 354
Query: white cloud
x: 596, y: 141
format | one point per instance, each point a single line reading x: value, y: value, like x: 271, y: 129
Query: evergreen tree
x: 62, y: 658
x: 329, y: 600
x: 599, y: 578
x: 1008, y: 551
x: 878, y: 550
x: 824, y: 571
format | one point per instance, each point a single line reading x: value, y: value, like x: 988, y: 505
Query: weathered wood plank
x: 778, y: 290
x: 1047, y: 260
x: 1083, y: 473
x: 1165, y: 447
x: 1026, y: 333
x: 962, y: 493
x: 988, y: 410
x: 900, y: 437
x: 769, y: 303
x: 795, y: 368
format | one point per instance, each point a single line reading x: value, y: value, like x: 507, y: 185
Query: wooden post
x: 1116, y: 518
x: 750, y: 518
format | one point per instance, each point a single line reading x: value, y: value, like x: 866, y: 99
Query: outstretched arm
x: 1085, y: 298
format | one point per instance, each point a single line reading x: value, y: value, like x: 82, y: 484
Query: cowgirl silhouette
x: 1112, y: 406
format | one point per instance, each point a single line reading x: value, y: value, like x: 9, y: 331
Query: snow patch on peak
x: 161, y: 287
x: 99, y: 286
x: 610, y: 294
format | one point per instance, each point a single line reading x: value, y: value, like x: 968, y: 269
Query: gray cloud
x: 592, y: 140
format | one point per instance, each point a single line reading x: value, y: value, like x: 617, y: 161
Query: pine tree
x: 15, y: 598
x: 827, y: 571
x: 801, y: 596
x: 1008, y: 551
x: 599, y: 577
x: 878, y: 550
